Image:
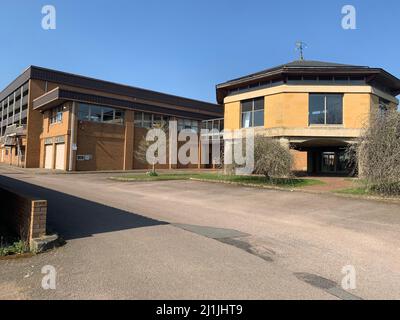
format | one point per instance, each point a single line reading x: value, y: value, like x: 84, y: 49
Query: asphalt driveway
x: 195, y: 240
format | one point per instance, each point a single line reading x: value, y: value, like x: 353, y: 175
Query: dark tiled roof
x: 299, y: 64
x: 309, y: 67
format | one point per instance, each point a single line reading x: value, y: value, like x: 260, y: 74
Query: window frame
x: 383, y: 107
x: 56, y: 115
x: 325, y: 96
x: 252, y: 112
x: 121, y: 119
x: 151, y: 122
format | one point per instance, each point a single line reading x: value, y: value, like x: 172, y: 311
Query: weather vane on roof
x: 300, y: 46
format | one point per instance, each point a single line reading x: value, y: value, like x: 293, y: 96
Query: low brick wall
x: 25, y: 215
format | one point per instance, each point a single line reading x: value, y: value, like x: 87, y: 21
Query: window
x: 253, y: 113
x: 326, y: 109
x: 383, y: 106
x: 56, y: 115
x: 83, y: 112
x: 188, y: 124
x: 96, y: 113
x: 357, y: 80
x: 108, y: 115
x: 149, y: 120
x: 157, y: 120
x: 325, y: 80
x: 118, y: 117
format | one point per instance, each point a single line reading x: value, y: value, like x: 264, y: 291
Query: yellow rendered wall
x: 356, y: 109
x: 289, y: 110
x: 232, y: 115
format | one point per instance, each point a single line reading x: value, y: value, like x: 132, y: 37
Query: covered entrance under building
x: 327, y: 157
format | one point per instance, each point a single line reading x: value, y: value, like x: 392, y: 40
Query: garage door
x: 48, y: 157
x: 60, y: 156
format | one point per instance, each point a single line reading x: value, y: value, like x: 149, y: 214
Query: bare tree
x: 141, y: 152
x: 378, y: 153
x: 271, y: 159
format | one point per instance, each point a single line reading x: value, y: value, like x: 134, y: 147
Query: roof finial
x: 300, y: 46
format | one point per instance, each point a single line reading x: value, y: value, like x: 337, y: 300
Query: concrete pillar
x: 129, y: 140
x: 73, y: 126
x: 284, y: 142
x: 53, y: 166
x: 172, y: 166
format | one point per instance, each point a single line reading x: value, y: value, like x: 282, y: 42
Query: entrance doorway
x: 328, y: 162
x: 333, y: 161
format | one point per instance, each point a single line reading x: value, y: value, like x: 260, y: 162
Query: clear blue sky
x: 186, y: 47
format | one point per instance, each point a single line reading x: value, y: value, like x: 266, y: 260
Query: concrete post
x: 129, y: 140
x: 72, y: 152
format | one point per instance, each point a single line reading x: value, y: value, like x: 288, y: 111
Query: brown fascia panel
x: 78, y: 81
x: 59, y: 95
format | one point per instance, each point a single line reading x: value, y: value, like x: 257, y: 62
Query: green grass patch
x: 358, y: 191
x: 244, y: 180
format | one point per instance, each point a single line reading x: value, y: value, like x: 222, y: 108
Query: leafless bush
x: 141, y: 152
x: 378, y: 153
x: 271, y: 159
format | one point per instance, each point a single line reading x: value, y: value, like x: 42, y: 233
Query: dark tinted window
x: 252, y: 113
x: 334, y: 109
x: 317, y: 109
x: 326, y: 109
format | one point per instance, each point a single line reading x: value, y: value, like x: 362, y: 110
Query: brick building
x: 315, y: 108
x: 57, y: 120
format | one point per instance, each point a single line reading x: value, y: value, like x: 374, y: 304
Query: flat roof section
x: 59, y: 95
x: 78, y: 81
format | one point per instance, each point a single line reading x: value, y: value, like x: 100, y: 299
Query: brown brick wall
x: 26, y: 216
x: 299, y: 160
x: 140, y: 134
x: 56, y: 130
x: 35, y: 122
x: 104, y: 142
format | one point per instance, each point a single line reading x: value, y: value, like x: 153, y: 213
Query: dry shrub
x: 141, y: 151
x: 271, y: 159
x: 378, y: 153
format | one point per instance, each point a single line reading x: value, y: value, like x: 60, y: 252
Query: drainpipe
x: 71, y: 151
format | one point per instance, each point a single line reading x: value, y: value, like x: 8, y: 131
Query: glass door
x: 328, y: 162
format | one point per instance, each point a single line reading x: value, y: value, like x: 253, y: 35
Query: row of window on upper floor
x: 97, y: 113
x: 323, y: 109
x: 213, y: 124
x: 150, y: 120
x: 7, y: 114
x: 103, y: 114
x: 89, y: 112
x: 10, y: 107
x: 9, y: 101
x: 301, y: 80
